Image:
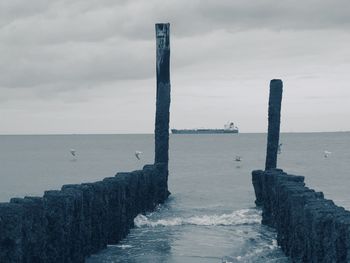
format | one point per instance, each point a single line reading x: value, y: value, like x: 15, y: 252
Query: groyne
x: 309, y: 227
x: 79, y: 220
x: 67, y: 225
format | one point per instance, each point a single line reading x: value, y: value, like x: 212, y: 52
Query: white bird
x: 138, y: 155
x: 326, y: 154
x: 72, y: 151
x: 279, y: 151
x: 238, y: 158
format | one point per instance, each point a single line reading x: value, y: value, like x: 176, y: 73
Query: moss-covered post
x: 163, y: 94
x: 276, y: 87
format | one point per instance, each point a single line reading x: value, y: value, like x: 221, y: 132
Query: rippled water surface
x: 210, y: 216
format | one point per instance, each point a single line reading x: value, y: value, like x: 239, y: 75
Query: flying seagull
x: 279, y: 151
x: 238, y: 158
x: 326, y: 154
x: 72, y: 151
x: 138, y: 155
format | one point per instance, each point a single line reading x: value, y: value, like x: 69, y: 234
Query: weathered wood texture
x: 273, y: 135
x: 163, y: 94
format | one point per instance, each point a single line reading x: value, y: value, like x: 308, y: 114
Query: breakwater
x: 78, y: 220
x: 309, y: 227
x: 67, y: 225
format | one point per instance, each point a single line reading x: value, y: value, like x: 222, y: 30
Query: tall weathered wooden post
x: 276, y: 87
x: 163, y: 94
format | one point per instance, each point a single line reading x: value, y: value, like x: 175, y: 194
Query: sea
x: 210, y: 216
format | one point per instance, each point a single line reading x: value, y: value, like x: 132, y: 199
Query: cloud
x: 279, y: 15
x: 76, y: 64
x: 85, y: 51
x: 11, y: 10
x: 40, y: 21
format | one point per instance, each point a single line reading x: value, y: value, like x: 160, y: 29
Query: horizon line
x: 134, y: 133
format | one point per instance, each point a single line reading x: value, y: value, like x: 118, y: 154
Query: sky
x: 88, y: 66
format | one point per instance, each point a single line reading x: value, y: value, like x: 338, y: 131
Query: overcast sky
x: 88, y: 66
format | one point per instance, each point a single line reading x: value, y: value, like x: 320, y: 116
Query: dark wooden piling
x: 276, y: 87
x: 163, y: 94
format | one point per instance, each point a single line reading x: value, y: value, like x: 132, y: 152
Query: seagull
x: 138, y: 155
x: 279, y: 151
x: 238, y: 158
x: 72, y: 151
x: 326, y: 154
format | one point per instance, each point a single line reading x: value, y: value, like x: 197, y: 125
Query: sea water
x: 210, y: 216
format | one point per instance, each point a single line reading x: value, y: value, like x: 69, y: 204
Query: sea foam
x: 239, y: 217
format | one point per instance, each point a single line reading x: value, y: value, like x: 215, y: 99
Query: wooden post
x: 276, y: 87
x: 163, y: 94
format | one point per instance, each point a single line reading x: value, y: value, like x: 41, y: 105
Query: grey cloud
x: 223, y: 50
x: 39, y: 21
x: 77, y: 64
x: 11, y: 10
x: 198, y: 17
x: 287, y: 14
x: 94, y: 20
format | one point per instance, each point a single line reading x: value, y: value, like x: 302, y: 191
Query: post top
x: 159, y: 24
x: 276, y: 81
x: 276, y: 84
x: 162, y: 26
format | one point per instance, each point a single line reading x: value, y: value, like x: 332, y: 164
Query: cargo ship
x: 228, y: 128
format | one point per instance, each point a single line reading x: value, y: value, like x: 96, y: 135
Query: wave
x: 240, y: 217
x: 120, y: 246
x: 264, y: 250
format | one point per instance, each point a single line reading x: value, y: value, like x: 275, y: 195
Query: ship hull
x: 204, y: 131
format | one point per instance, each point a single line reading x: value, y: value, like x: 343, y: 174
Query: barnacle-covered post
x: 273, y: 135
x: 163, y: 95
